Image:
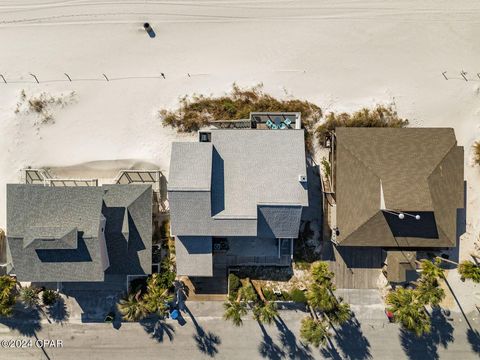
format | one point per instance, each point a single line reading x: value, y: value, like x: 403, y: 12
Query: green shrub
x: 49, y: 297
x: 381, y: 116
x: 29, y: 296
x: 302, y: 265
x: 167, y: 275
x: 326, y: 167
x: 476, y: 152
x: 234, y: 284
x: 298, y: 295
x: 285, y: 296
x: 8, y: 295
x: 199, y: 110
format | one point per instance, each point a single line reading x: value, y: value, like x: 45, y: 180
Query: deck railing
x: 283, y: 260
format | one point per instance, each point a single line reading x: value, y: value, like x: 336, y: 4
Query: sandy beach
x: 341, y: 55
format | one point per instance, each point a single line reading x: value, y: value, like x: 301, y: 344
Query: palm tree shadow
x: 289, y: 342
x: 350, y: 339
x: 58, y: 312
x: 329, y: 352
x: 157, y: 328
x: 426, y: 346
x: 267, y: 348
x: 24, y: 320
x: 207, y: 342
x: 473, y: 338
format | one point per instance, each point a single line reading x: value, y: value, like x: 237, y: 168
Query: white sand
x: 340, y: 55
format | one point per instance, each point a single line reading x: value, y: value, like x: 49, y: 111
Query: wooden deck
x: 354, y: 267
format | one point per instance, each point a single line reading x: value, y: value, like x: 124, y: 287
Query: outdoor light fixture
x: 401, y: 215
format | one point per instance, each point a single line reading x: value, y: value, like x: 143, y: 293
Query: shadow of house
x: 351, y: 341
x: 410, y: 227
x: 361, y: 258
x: 312, y: 218
x: 426, y: 346
x: 218, y: 183
x: 80, y: 254
x: 122, y: 247
x: 461, y: 226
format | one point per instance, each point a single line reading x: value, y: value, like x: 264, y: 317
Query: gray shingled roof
x: 195, y: 255
x: 419, y: 170
x: 190, y: 166
x: 53, y: 232
x: 249, y: 168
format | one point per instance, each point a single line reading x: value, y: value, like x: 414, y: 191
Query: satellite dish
x: 417, y: 217
x: 401, y: 216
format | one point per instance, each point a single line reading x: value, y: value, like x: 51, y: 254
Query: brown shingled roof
x: 420, y: 171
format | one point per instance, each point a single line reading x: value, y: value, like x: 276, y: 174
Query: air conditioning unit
x: 302, y: 178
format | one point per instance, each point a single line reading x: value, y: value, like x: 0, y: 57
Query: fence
x: 65, y: 77
x: 464, y: 76
x: 283, y: 260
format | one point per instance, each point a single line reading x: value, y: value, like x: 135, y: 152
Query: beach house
x: 78, y: 234
x: 398, y: 189
x: 236, y: 198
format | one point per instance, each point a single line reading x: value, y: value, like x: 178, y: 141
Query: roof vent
x: 302, y: 178
x: 205, y: 136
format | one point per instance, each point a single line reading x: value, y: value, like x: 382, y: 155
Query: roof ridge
x: 364, y: 223
x: 362, y: 162
x: 442, y: 160
x: 136, y: 198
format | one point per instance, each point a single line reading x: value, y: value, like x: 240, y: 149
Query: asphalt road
x: 207, y: 335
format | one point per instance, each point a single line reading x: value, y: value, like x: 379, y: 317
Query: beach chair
x: 269, y: 123
x: 283, y: 126
x: 274, y: 127
x: 287, y: 122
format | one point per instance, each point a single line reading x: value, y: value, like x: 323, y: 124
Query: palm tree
x: 7, y: 295
x: 431, y: 270
x: 49, y: 297
x: 320, y: 298
x: 408, y: 310
x: 469, y: 270
x: 322, y: 275
x: 247, y: 293
x: 339, y: 314
x: 156, y: 301
x: 29, y: 296
x: 314, y: 331
x: 265, y: 312
x: 234, y: 310
x: 132, y: 307
x: 7, y: 286
x: 156, y: 298
x: 429, y: 292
